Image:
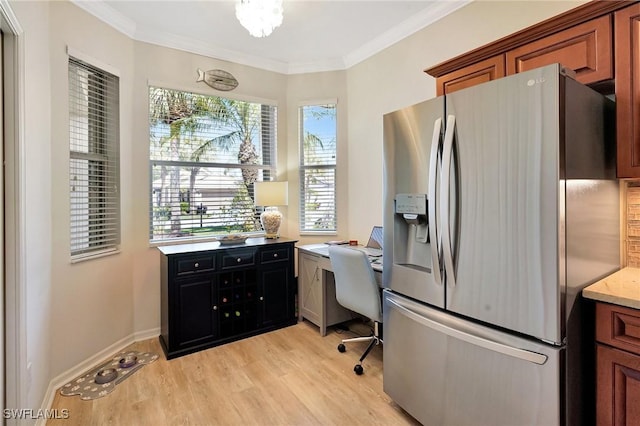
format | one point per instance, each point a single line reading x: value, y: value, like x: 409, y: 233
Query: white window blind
x: 206, y: 153
x: 94, y: 159
x: 318, y: 133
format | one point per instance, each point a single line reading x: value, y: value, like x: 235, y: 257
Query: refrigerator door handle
x: 432, y: 205
x: 522, y: 354
x: 447, y: 153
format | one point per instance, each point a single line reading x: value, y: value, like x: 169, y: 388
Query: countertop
x: 215, y: 245
x: 620, y: 288
x: 323, y: 250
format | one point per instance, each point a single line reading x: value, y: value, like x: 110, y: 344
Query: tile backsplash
x: 633, y: 224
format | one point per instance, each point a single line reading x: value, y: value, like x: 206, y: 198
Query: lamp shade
x: 271, y: 193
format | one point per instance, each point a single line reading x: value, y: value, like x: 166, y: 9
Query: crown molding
x: 108, y: 15
x: 421, y: 20
x: 105, y: 13
x: 200, y: 47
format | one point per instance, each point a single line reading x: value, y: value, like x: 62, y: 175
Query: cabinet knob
x: 261, y: 298
x: 215, y: 308
x: 239, y: 260
x: 196, y: 265
x: 275, y: 254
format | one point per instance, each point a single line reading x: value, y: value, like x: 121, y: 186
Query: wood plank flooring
x: 290, y: 376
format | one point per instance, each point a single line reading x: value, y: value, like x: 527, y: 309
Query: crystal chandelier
x: 259, y: 17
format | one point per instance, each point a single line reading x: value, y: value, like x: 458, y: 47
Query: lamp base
x: 270, y: 219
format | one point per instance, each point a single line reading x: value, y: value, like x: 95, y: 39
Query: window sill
x: 319, y: 233
x: 94, y: 255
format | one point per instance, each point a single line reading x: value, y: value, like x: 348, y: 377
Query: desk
x: 317, y: 289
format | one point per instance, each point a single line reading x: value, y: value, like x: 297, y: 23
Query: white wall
x: 394, y: 78
x: 91, y: 302
x: 37, y: 197
x: 75, y: 311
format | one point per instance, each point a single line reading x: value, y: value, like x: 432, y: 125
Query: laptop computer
x: 374, y: 245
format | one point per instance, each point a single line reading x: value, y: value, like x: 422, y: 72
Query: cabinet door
x: 195, y: 312
x: 472, y: 75
x: 276, y: 300
x: 627, y: 57
x: 310, y: 296
x: 585, y: 48
x: 618, y: 387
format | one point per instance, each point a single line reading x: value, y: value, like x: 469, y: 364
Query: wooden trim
x: 489, y: 69
x: 627, y: 72
x: 545, y: 28
x: 585, y: 48
x: 618, y: 326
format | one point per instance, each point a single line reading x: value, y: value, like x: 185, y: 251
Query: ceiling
x: 318, y: 35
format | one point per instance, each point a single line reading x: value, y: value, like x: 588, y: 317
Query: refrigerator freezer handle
x: 445, y: 232
x: 533, y: 357
x: 432, y: 205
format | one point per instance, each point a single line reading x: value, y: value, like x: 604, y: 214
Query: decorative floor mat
x: 102, y: 380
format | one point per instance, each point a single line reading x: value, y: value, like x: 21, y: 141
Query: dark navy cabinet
x: 213, y: 294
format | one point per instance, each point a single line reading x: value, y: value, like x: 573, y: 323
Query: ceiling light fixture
x: 259, y: 17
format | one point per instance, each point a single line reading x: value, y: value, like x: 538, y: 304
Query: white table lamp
x: 271, y: 194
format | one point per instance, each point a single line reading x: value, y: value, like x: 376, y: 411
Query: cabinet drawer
x: 238, y: 259
x: 193, y: 264
x: 280, y: 254
x: 618, y: 326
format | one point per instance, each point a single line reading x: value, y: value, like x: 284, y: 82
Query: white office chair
x: 357, y: 290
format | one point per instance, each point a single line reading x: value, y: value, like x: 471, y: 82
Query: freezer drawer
x: 447, y: 371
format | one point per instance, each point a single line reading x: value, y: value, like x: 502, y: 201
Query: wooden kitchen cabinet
x: 600, y: 40
x: 471, y: 75
x: 213, y: 294
x: 585, y: 49
x: 618, y: 365
x: 627, y: 65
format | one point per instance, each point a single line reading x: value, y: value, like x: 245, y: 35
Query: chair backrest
x: 356, y: 286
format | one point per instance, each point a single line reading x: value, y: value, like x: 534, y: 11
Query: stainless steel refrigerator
x: 500, y: 205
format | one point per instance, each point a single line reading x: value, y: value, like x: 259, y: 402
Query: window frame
x: 268, y: 170
x: 107, y: 152
x: 303, y: 168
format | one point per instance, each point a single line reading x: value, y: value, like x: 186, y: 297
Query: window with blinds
x: 206, y: 153
x: 318, y: 133
x: 93, y: 160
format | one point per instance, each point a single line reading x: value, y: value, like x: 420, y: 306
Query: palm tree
x: 237, y: 123
x: 241, y: 121
x: 182, y: 114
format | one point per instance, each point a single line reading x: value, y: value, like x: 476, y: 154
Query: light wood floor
x: 290, y: 376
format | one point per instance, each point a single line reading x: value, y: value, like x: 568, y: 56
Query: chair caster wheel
x: 358, y: 369
x: 341, y: 348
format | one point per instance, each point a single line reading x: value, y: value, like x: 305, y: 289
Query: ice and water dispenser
x: 411, y: 231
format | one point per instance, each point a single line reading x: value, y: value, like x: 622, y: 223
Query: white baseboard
x: 90, y: 363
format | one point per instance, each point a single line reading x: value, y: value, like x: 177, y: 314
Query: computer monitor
x: 375, y: 239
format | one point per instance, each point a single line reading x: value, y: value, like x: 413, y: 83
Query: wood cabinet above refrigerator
x: 627, y: 62
x: 598, y: 40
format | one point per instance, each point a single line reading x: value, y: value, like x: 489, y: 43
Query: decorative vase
x: 271, y: 219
